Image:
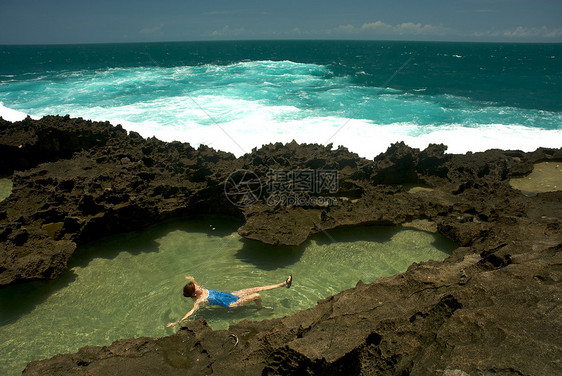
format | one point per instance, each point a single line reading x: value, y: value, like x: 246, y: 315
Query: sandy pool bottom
x: 545, y: 177
x: 5, y: 188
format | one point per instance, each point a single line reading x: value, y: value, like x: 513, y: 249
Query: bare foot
x: 289, y: 281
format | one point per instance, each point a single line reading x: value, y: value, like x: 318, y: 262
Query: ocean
x: 235, y: 96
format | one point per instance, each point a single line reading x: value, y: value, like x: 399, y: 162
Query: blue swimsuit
x: 224, y: 299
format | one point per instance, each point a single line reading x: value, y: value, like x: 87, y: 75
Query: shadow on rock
x: 17, y: 301
x: 269, y: 257
x: 138, y: 242
x: 377, y: 234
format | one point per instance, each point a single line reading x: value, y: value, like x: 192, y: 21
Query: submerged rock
x: 480, y: 311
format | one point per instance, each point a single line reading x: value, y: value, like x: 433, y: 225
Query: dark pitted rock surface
x: 492, y: 307
x: 104, y: 182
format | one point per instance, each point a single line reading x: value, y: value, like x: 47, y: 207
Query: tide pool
x: 131, y: 285
x: 545, y: 177
x: 6, y: 186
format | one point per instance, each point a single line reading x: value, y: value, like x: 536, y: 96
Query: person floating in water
x: 225, y: 299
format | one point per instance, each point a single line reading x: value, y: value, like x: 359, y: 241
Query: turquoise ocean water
x: 363, y: 95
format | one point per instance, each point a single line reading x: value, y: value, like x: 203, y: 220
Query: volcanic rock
x: 492, y: 307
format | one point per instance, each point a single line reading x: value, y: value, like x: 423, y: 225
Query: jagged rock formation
x: 492, y: 307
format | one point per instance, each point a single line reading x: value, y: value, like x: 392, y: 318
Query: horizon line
x: 271, y: 40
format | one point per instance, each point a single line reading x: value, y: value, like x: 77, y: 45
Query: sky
x: 115, y: 21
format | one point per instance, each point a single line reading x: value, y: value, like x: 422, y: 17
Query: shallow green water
x: 130, y: 285
x: 5, y: 188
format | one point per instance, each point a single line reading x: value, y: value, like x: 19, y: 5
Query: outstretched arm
x: 195, y: 308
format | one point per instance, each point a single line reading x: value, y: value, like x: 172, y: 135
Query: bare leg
x: 248, y: 299
x: 254, y: 290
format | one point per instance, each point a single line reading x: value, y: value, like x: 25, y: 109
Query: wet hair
x: 189, y: 290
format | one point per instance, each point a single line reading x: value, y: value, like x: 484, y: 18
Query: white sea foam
x: 359, y: 136
x: 12, y: 115
x: 245, y: 105
x: 238, y: 126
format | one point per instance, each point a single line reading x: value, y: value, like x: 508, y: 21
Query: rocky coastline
x: 492, y: 307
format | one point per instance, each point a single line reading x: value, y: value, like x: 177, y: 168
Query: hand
x: 189, y: 278
x: 171, y: 324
